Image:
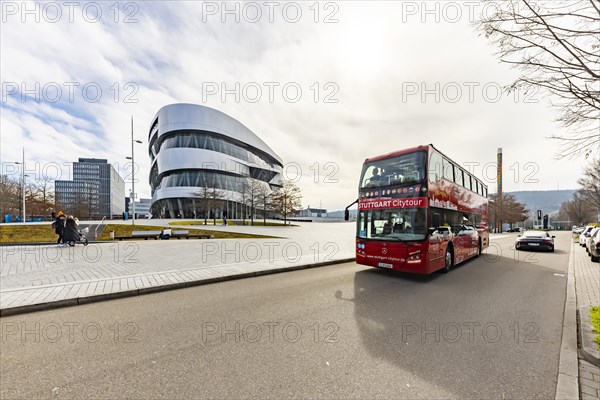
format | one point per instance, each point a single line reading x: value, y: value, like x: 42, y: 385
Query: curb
x: 589, y: 349
x: 162, y: 288
x: 567, y: 384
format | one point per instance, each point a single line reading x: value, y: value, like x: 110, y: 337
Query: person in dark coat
x: 71, y: 231
x: 59, y: 227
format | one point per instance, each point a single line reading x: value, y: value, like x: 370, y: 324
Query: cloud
x: 370, y: 63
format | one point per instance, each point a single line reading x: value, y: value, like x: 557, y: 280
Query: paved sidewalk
x: 587, y: 278
x: 33, y: 275
x: 589, y: 380
x: 587, y: 287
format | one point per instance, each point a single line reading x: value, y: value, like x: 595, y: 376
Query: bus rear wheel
x: 448, y: 260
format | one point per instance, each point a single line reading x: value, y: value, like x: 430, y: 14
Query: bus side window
x: 435, y: 220
x: 435, y: 167
x: 448, y: 170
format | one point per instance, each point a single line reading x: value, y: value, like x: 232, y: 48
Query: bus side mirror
x: 346, y: 215
x: 435, y: 220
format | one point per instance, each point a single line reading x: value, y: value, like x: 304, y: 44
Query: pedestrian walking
x: 59, y: 227
x: 224, y: 217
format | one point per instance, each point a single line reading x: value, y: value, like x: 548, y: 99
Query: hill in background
x: 548, y: 201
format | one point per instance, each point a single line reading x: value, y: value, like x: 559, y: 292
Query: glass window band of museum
x: 205, y: 179
x: 196, y: 139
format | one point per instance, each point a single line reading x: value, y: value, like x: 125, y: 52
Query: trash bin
x: 111, y: 234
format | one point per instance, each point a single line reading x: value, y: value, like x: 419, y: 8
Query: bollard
x: 111, y: 234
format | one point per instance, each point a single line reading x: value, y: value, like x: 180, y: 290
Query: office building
x: 97, y: 190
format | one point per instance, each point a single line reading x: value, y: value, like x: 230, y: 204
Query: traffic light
x: 546, y: 221
x: 539, y: 213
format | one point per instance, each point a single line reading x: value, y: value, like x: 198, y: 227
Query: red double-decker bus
x: 419, y: 212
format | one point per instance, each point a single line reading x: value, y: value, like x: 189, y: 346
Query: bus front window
x: 407, y: 168
x: 393, y: 224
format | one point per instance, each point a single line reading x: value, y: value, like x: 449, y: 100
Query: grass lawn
x: 595, y: 312
x: 45, y: 233
x: 125, y: 230
x: 229, y: 222
x: 27, y: 233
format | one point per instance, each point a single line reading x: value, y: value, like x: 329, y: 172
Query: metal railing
x: 98, y: 226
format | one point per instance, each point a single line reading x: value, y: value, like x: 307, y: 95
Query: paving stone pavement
x: 587, y: 278
x: 587, y: 287
x: 40, y: 274
x: 589, y: 380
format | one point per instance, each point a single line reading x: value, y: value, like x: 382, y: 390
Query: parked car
x: 515, y: 229
x: 535, y: 240
x: 595, y: 247
x: 584, y: 235
x: 588, y: 240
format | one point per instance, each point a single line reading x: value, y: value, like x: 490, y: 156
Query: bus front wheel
x: 448, y: 260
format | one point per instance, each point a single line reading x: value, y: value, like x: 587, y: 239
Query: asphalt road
x: 491, y: 328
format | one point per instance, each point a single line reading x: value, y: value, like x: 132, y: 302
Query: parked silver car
x: 595, y: 247
x: 584, y: 235
x: 589, y: 239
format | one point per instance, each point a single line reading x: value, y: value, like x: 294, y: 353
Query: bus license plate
x: 384, y: 265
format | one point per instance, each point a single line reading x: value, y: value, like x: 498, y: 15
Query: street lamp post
x: 132, y: 158
x: 22, y: 164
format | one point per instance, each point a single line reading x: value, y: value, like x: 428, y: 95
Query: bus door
x: 435, y: 254
x: 466, y: 242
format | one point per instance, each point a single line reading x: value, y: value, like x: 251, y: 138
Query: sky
x: 325, y: 84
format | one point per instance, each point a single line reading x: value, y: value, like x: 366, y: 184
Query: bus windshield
x: 407, y: 168
x: 397, y: 224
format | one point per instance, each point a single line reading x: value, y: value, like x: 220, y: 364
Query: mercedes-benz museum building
x: 203, y: 162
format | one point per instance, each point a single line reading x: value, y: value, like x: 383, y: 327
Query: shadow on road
x: 489, y: 328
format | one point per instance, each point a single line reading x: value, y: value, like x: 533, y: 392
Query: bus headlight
x: 413, y: 259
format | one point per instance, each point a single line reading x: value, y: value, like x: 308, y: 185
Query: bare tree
x: 287, y: 200
x: 216, y: 196
x: 40, y: 197
x: 512, y: 210
x: 576, y: 210
x: 253, y: 191
x: 202, y: 195
x: 590, y: 185
x: 264, y: 197
x: 10, y: 190
x: 244, y: 191
x: 555, y: 44
x: 209, y: 196
x: 44, y: 192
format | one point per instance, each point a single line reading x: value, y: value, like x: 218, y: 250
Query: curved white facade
x: 198, y: 152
